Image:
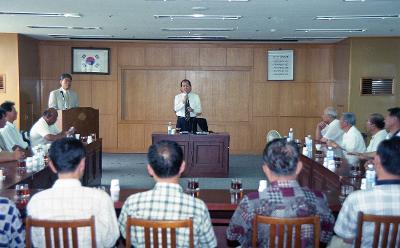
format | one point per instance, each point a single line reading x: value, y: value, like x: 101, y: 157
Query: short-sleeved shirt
x: 12, y: 137
x: 39, y: 130
x: 12, y: 232
x: 194, y: 101
x: 383, y: 199
x: 376, y: 140
x: 167, y: 201
x: 280, y: 199
x: 333, y: 131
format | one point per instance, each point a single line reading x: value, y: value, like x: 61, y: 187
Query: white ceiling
x: 261, y: 19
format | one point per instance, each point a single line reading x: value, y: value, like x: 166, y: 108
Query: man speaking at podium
x: 64, y: 98
x: 187, y: 106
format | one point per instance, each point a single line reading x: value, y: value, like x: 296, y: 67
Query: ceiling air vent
x: 377, y: 86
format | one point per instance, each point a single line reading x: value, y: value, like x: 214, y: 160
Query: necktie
x: 187, y: 105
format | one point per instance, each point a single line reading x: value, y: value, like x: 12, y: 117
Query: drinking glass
x: 236, y: 190
x: 193, y: 187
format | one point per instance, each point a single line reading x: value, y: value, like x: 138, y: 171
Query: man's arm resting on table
x: 54, y: 137
x: 11, y: 156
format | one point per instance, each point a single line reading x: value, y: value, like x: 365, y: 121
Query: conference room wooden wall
x: 136, y: 99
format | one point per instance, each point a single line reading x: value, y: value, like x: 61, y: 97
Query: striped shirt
x: 12, y: 232
x: 167, y: 201
x: 281, y: 199
x: 383, y: 199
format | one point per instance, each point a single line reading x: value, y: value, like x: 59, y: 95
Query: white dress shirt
x: 376, y: 140
x: 69, y: 200
x: 194, y: 101
x: 39, y: 130
x: 12, y: 137
x: 390, y: 135
x: 63, y: 99
x: 353, y: 141
x: 333, y: 131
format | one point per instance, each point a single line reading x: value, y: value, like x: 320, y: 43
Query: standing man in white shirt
x: 329, y: 127
x: 69, y: 200
x: 187, y: 107
x: 11, y: 136
x: 392, y: 122
x: 64, y: 97
x: 44, y: 131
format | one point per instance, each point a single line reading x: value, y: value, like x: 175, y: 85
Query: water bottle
x: 309, y: 145
x: 290, y: 135
x: 329, y: 156
x: 370, y: 176
x: 169, y: 128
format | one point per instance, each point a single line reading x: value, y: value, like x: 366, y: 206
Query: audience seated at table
x: 383, y: 199
x: 329, y: 127
x: 4, y: 155
x: 167, y: 200
x: 44, y: 131
x: 392, y: 122
x: 11, y: 137
x: 282, y: 198
x: 69, y: 200
x: 12, y: 232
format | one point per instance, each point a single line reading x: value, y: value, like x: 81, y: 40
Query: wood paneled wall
x: 136, y: 99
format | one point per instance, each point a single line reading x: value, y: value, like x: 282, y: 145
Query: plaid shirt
x: 12, y: 232
x: 281, y: 199
x: 167, y: 201
x: 383, y: 199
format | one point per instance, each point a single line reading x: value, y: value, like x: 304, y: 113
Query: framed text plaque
x: 280, y: 65
x: 90, y: 60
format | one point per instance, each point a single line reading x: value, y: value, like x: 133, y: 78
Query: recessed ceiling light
x: 353, y: 0
x: 339, y: 30
x: 42, y: 14
x: 81, y: 36
x: 198, y: 37
x: 220, y: 0
x: 65, y: 27
x: 198, y: 29
x: 356, y: 17
x: 313, y: 38
x: 199, y: 8
x: 200, y: 17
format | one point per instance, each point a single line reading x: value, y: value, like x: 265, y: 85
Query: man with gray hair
x: 282, y: 198
x: 353, y: 141
x: 329, y: 127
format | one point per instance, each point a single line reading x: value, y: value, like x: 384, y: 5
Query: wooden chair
x: 156, y: 226
x: 56, y: 226
x: 285, y: 223
x: 387, y: 221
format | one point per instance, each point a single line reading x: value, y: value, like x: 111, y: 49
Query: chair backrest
x: 53, y: 228
x: 272, y: 134
x: 388, y: 222
x: 157, y: 226
x: 289, y: 224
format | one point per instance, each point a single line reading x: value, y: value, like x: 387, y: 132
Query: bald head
x: 50, y: 116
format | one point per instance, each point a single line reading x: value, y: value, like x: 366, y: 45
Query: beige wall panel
x: 212, y: 56
x: 240, y: 138
x: 341, y: 68
x: 297, y: 123
x: 105, y: 96
x: 320, y: 67
x: 260, y: 127
x: 309, y: 126
x: 260, y: 65
x: 300, y: 64
x: 239, y: 56
x: 108, y: 131
x: 131, y: 137
x: 131, y: 56
x: 266, y: 99
x: 133, y: 97
x: 158, y: 56
x: 84, y: 91
x: 52, y: 61
x: 292, y: 99
x: 185, y: 56
x: 47, y: 86
x: 319, y: 96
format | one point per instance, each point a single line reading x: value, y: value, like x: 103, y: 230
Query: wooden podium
x: 84, y: 119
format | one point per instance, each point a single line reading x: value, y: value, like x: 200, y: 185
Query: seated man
x: 392, y: 122
x: 282, y: 198
x: 44, y: 131
x: 69, y: 200
x: 4, y: 155
x: 11, y: 136
x: 167, y: 201
x: 329, y: 127
x: 383, y: 199
x: 12, y: 232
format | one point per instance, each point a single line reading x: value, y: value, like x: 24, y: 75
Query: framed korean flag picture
x: 90, y: 60
x: 280, y: 65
